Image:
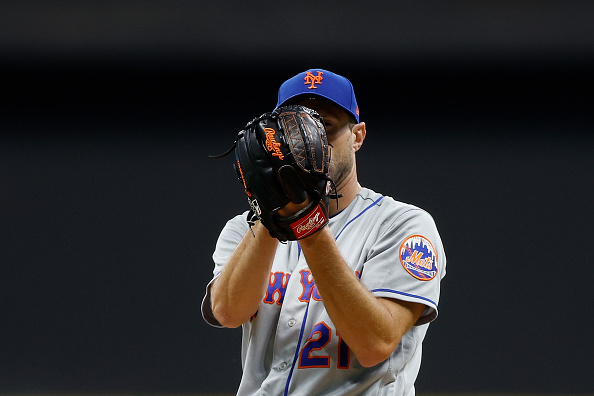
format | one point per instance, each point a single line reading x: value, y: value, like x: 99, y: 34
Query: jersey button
x: 291, y: 322
x: 282, y: 366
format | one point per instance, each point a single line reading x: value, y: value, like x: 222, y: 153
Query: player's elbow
x: 229, y: 323
x: 370, y: 360
x: 374, y: 354
x: 227, y: 317
x: 226, y: 309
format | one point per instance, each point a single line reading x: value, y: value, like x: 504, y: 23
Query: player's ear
x: 359, y: 131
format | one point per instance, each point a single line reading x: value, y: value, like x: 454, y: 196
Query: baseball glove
x: 283, y: 157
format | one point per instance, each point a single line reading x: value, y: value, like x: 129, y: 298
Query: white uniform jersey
x: 291, y: 347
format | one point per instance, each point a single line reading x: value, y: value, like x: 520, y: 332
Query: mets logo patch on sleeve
x: 418, y: 257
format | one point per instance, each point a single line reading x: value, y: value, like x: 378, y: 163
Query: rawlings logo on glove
x: 271, y: 144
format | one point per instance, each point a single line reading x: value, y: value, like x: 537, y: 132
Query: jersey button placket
x: 291, y: 322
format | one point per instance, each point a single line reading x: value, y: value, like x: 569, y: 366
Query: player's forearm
x: 237, y: 292
x: 361, y: 319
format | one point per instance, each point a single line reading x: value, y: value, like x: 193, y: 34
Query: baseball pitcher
x: 333, y: 284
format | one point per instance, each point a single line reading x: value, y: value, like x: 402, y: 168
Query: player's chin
x: 339, y: 173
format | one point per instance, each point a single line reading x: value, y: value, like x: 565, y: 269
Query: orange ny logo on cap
x: 313, y: 80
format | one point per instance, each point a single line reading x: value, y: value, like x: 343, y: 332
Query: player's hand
x: 292, y: 208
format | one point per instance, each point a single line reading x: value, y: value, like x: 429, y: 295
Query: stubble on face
x: 342, y: 162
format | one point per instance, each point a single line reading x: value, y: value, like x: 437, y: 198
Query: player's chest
x: 292, y: 284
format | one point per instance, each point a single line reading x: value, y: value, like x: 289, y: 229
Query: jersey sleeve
x: 228, y: 240
x: 407, y: 261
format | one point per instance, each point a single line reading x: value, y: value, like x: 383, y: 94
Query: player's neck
x: 347, y: 193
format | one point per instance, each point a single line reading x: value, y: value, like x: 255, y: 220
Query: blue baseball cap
x: 321, y: 83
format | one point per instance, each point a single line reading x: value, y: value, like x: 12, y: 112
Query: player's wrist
x: 319, y: 238
x: 308, y: 221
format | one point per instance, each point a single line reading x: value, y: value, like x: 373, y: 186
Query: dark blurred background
x: 478, y: 111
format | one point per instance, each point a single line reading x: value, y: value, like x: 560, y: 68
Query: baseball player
x: 334, y: 284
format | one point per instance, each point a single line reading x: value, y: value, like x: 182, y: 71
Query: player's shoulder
x: 239, y: 220
x: 390, y: 208
x: 236, y: 225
